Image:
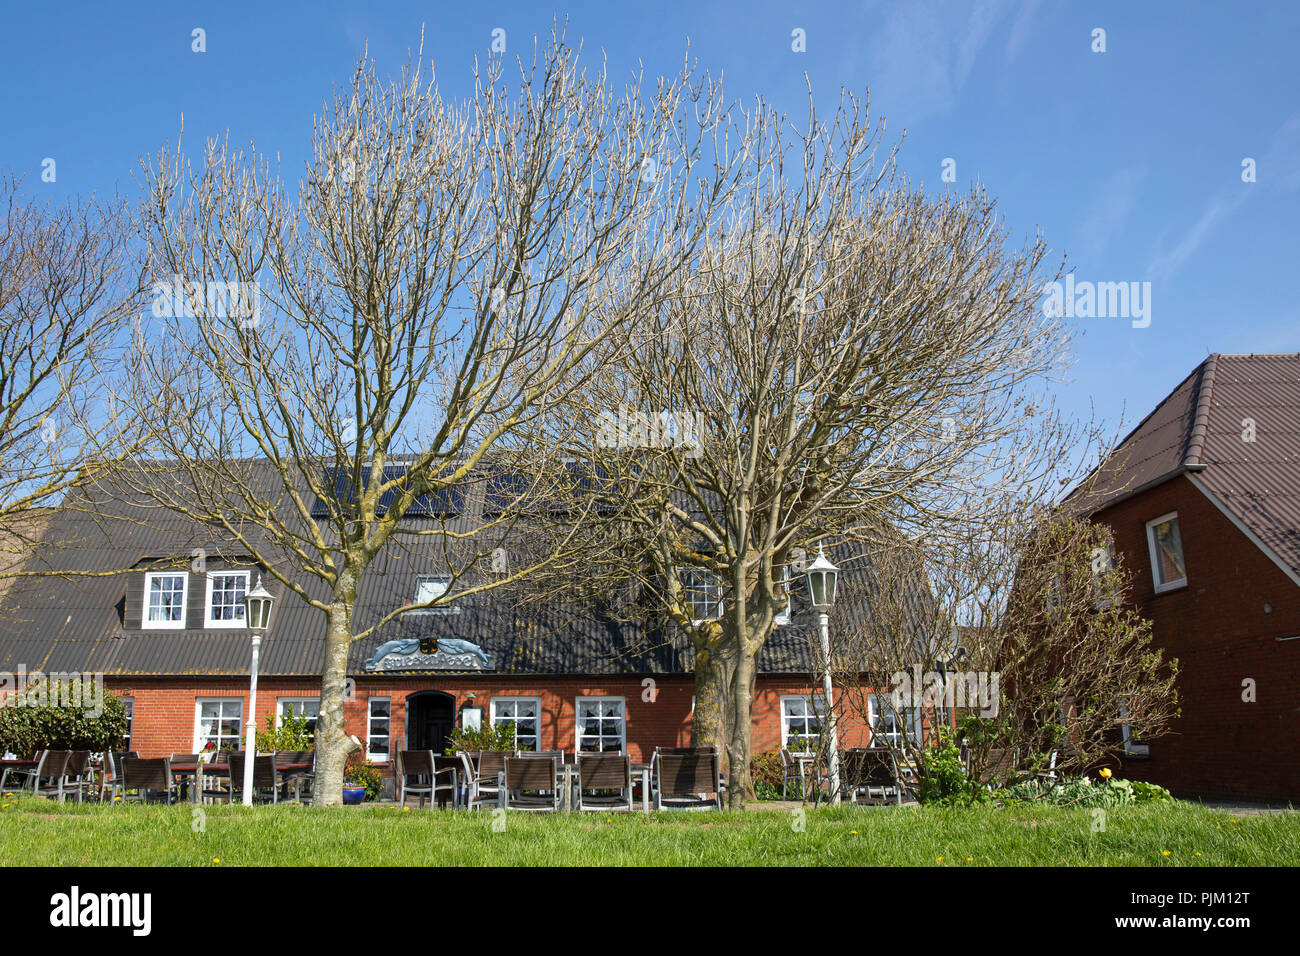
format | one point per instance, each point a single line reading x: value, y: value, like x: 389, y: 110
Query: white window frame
x: 208, y: 619
x: 1104, y: 600
x: 783, y: 617
x: 694, y: 575
x: 446, y: 581
x: 282, y: 701
x: 147, y: 624
x: 816, y: 703
x: 577, y: 721
x: 370, y: 726
x: 906, y: 715
x: 1154, y: 548
x: 1131, y: 746
x: 200, y: 741
x: 494, y: 717
x: 128, y: 704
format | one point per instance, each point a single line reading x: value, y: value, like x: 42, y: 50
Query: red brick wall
x: 165, y: 707
x: 1220, y: 631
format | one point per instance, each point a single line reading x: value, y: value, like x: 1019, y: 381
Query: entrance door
x: 430, y: 716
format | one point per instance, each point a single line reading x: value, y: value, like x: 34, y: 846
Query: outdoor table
x: 16, y: 764
x: 189, y: 769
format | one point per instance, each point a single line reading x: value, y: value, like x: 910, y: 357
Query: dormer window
x: 430, y: 587
x: 703, y: 592
x: 225, y: 599
x: 164, y: 599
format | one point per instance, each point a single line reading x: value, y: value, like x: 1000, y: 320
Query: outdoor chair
x: 687, y: 781
x: 872, y: 773
x: 297, y: 778
x: 77, y: 774
x: 794, y: 770
x: 112, y: 779
x: 23, y: 776
x: 417, y: 764
x: 600, y: 773
x: 265, y: 776
x: 216, y: 783
x: 530, y: 784
x: 446, y: 773
x: 48, y: 779
x: 145, y: 776
x: 486, y: 781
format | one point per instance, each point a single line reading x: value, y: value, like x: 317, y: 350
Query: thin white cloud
x: 1110, y: 211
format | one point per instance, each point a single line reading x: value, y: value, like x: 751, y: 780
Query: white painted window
x: 225, y: 599
x: 801, y: 723
x: 128, y: 704
x: 1166, y: 544
x: 1131, y: 743
x: 164, y: 599
x: 702, y: 590
x: 525, y: 713
x: 217, y: 722
x: 378, y: 729
x: 889, y: 725
x: 601, y: 724
x: 430, y: 587
x: 308, y: 707
x: 783, y: 617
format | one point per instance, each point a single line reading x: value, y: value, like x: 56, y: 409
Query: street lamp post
x: 257, y: 603
x: 823, y: 578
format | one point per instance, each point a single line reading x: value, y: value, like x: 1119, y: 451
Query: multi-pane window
x: 216, y: 723
x: 164, y: 600
x: 889, y: 725
x: 801, y: 723
x: 602, y: 723
x: 226, y: 598
x: 128, y: 704
x: 1166, y: 544
x: 525, y: 714
x: 378, y: 724
x: 703, y: 593
x: 308, y: 707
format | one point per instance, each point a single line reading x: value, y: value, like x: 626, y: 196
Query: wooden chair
x: 530, y: 783
x: 687, y: 781
x: 871, y: 772
x: 265, y: 776
x: 146, y: 776
x: 604, y: 772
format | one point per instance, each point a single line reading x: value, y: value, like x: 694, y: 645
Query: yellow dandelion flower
x: 1105, y: 772
x: 1164, y: 852
x: 1198, y: 852
x: 406, y: 809
x: 216, y: 859
x: 853, y: 832
x: 970, y: 859
x: 938, y: 859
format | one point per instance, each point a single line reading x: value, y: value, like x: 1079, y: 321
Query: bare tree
x: 69, y: 282
x: 847, y: 354
x: 442, y: 277
x: 1025, y: 643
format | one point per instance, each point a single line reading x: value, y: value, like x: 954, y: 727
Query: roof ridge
x: 1201, y: 419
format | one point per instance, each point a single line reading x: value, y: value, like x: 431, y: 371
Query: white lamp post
x: 257, y: 604
x: 823, y: 578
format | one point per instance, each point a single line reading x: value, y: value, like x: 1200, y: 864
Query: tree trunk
x: 740, y: 783
x: 333, y: 743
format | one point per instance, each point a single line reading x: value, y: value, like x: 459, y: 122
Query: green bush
x: 768, y: 775
x: 941, y: 778
x: 500, y: 737
x: 362, y: 771
x: 294, y: 733
x: 1077, y: 792
x: 59, y: 715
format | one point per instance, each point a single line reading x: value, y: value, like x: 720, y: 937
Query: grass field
x: 39, y: 832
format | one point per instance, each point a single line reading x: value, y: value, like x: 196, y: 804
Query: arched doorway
x: 430, y: 716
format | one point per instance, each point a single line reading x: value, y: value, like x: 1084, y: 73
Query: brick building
x: 156, y: 605
x: 1203, y: 499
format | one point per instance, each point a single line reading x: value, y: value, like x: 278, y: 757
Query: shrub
x: 294, y: 733
x: 500, y: 737
x: 768, y: 776
x: 54, y: 714
x: 942, y: 779
x: 362, y: 771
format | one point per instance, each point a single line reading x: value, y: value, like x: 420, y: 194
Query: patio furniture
x: 20, y: 771
x: 447, y: 770
x: 147, y: 776
x: 687, y: 781
x: 417, y: 764
x: 604, y: 772
x: 265, y: 775
x: 112, y: 778
x: 530, y: 783
x: 297, y: 778
x: 48, y: 779
x: 214, y: 778
x: 871, y: 772
x: 796, y: 767
x: 77, y: 774
x: 485, y: 785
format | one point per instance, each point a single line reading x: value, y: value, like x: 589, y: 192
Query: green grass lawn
x: 40, y: 832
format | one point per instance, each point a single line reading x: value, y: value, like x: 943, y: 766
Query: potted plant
x: 362, y: 780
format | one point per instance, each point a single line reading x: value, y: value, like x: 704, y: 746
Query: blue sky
x: 1129, y: 161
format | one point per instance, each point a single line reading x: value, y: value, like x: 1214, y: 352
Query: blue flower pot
x: 353, y: 794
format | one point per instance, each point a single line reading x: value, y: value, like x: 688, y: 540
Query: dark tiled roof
x: 72, y: 614
x: 1203, y: 429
